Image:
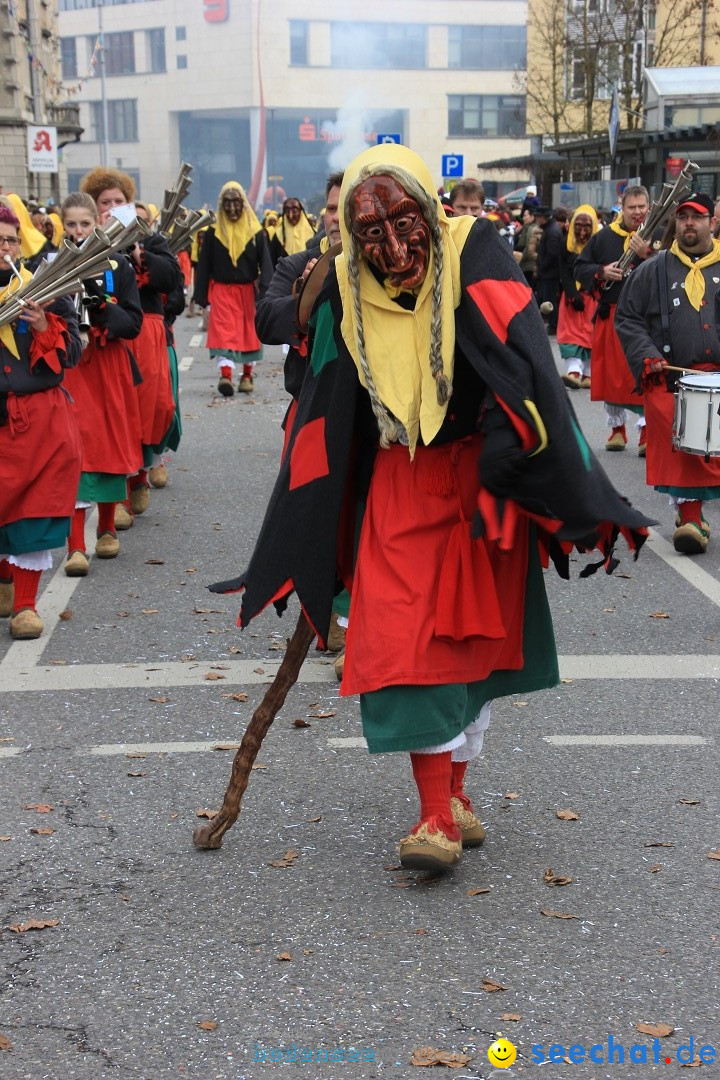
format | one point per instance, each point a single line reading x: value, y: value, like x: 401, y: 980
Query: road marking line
x: 348, y: 743
x: 685, y: 567
x: 55, y: 597
x: 9, y: 751
x: 196, y: 340
x: 650, y: 666
x: 626, y: 740
x: 118, y: 749
x: 185, y: 364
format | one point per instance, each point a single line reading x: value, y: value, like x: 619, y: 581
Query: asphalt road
x: 163, y: 961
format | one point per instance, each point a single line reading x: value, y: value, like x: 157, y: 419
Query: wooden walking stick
x: 209, y: 837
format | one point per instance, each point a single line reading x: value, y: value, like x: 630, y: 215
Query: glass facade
x: 489, y: 48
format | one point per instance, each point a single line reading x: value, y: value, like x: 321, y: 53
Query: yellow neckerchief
x: 6, y: 334
x: 571, y: 243
x: 236, y: 235
x: 695, y: 281
x: 294, y: 238
x: 618, y: 227
x: 397, y: 341
x: 324, y: 243
x: 31, y: 239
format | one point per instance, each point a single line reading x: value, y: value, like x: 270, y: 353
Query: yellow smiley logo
x: 502, y: 1053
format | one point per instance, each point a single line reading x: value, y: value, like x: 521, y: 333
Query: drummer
x: 689, y: 276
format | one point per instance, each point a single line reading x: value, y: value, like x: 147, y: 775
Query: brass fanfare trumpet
x: 174, y: 197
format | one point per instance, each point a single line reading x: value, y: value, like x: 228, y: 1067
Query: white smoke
x: 348, y: 134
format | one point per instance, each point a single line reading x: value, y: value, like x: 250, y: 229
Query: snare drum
x: 696, y: 424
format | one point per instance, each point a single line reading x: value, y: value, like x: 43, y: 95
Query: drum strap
x: 660, y: 259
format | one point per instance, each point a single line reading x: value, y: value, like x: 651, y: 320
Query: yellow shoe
x: 26, y: 625
x: 123, y: 518
x: 77, y: 564
x: 246, y: 385
x: 429, y: 851
x: 158, y: 476
x: 617, y: 440
x: 690, y: 539
x: 336, y: 635
x: 140, y: 498
x: 473, y: 833
x: 7, y: 593
x: 585, y: 383
x: 107, y: 546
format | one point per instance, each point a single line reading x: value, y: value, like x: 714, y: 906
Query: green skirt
x: 102, y: 487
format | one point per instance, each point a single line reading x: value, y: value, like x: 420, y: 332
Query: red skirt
x: 429, y: 604
x: 155, y: 394
x: 664, y: 465
x: 231, y: 322
x: 576, y: 327
x: 107, y: 409
x: 612, y: 380
x: 40, y: 457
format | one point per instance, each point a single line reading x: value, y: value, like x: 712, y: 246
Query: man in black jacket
x: 547, y: 277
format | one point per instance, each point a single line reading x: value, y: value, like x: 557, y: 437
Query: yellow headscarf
x: 571, y: 243
x: 695, y: 281
x: 58, y: 230
x: 31, y: 239
x: 7, y: 336
x: 294, y: 238
x: 236, y: 235
x: 398, y: 342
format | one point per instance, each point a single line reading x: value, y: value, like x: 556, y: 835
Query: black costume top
x: 602, y: 248
x: 215, y: 264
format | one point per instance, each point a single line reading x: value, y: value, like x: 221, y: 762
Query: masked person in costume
x: 432, y: 409
x: 234, y: 264
x: 597, y: 271
x: 575, y: 317
x: 293, y: 231
x: 688, y: 274
x: 40, y: 450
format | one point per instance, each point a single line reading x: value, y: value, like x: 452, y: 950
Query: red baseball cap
x: 697, y: 200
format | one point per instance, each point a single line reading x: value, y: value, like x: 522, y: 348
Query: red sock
x: 642, y: 441
x: 226, y: 372
x: 6, y: 573
x: 76, y: 539
x: 140, y: 480
x: 433, y: 774
x: 690, y: 512
x: 106, y: 518
x: 26, y: 588
x: 247, y: 371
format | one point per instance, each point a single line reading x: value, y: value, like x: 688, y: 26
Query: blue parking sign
x: 385, y: 138
x: 452, y: 166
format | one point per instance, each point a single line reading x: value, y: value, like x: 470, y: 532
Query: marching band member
x: 40, y: 451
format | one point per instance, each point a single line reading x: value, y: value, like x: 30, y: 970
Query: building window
x: 298, y: 41
x: 119, y: 53
x: 182, y: 61
x: 180, y: 33
x: 487, y: 47
x: 486, y: 114
x: 156, y: 50
x: 378, y: 45
x: 68, y: 53
x: 122, y: 120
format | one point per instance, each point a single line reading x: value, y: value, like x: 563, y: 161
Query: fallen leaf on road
x: 136, y: 774
x: 226, y: 746
x: 210, y: 814
x: 324, y: 714
x: 429, y: 1056
x: 660, y: 843
x: 659, y: 615
x: 208, y: 611
x: 66, y: 614
x: 259, y: 670
x: 663, y: 951
x: 46, y: 831
x: 212, y: 676
x: 287, y: 860
x: 551, y: 878
x: 490, y: 986
x: 308, y: 952
x: 207, y: 1025
x: 550, y: 914
x: 519, y: 704
x: 191, y: 569
x: 479, y: 891
x: 33, y: 924
x: 136, y: 755
x: 659, y: 1031
x: 689, y: 802
x: 567, y: 681
x: 258, y: 765
x: 38, y: 807
x: 235, y: 697
x: 512, y: 795
x: 2, y: 838
x: 159, y: 700
x: 655, y: 868
x: 284, y: 956
x: 314, y: 820
x: 154, y: 562
x: 714, y: 854
x: 150, y: 611
x: 567, y: 815
x: 7, y: 738
x: 511, y: 1016
x: 121, y: 615
x: 299, y: 722
x: 5, y: 1044
x: 694, y: 1064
